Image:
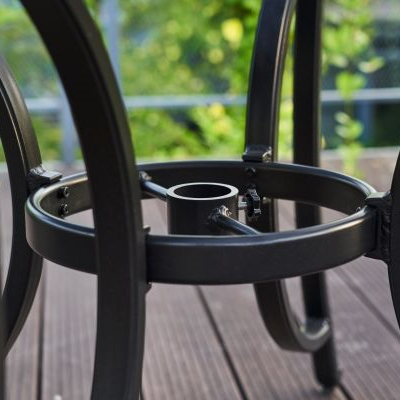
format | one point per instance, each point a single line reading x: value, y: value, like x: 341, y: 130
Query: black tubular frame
x: 306, y: 150
x: 247, y: 259
x: 270, y: 50
x: 96, y: 103
x: 390, y: 232
x: 261, y: 131
x: 23, y: 159
x: 126, y: 257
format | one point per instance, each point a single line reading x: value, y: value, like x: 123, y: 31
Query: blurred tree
x: 205, y: 46
x: 347, y: 50
x: 196, y: 47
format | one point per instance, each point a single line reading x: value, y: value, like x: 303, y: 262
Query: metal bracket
x: 257, y: 153
x: 144, y: 176
x: 212, y: 221
x: 39, y: 176
x: 253, y: 204
x: 383, y: 202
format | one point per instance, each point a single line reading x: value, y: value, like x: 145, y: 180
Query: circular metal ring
x: 199, y: 259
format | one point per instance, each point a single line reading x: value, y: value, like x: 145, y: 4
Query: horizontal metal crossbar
x: 52, y: 105
x: 223, y: 259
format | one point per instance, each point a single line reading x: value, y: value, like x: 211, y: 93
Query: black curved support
x: 314, y: 330
x: 77, y: 50
x: 117, y: 250
x: 270, y: 46
x: 261, y: 132
x: 392, y: 230
x: 22, y: 156
x: 306, y: 150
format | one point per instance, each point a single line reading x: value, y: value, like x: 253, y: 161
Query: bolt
x: 144, y: 176
x: 266, y: 200
x: 268, y: 154
x: 63, y: 210
x: 63, y: 192
x: 250, y: 172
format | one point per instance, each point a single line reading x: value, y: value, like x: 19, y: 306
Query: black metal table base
x: 193, y: 259
x: 213, y: 248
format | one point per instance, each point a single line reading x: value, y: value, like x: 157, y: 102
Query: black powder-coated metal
x: 245, y: 259
x: 223, y: 222
x: 189, y: 205
x: 261, y: 131
x: 22, y: 155
x: 315, y: 332
x: 393, y: 244
x: 119, y: 249
x: 151, y: 188
x: 306, y: 150
x: 266, y: 71
x: 76, y: 48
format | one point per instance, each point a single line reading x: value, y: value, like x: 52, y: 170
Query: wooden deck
x: 209, y: 342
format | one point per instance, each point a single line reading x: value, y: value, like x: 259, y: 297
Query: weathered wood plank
x: 22, y: 364
x: 69, y: 330
x: 69, y: 333
x: 266, y: 371
x: 368, y: 350
x: 183, y: 359
x: 369, y: 280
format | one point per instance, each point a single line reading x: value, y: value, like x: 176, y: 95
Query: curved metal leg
x: 389, y: 250
x: 23, y: 159
x: 97, y: 107
x: 306, y: 151
x: 261, y: 132
x: 77, y: 50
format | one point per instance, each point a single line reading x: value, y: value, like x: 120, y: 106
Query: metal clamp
x: 39, y: 177
x: 257, y: 153
x: 383, y: 202
x: 252, y: 204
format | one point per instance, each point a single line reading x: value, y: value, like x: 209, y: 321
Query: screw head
x: 63, y: 210
x: 63, y: 192
x: 250, y: 172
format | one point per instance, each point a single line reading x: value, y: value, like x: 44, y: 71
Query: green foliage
x: 349, y: 130
x: 193, y: 47
x: 347, y: 48
x: 24, y: 52
x: 162, y: 137
x: 202, y: 47
x: 196, y: 47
